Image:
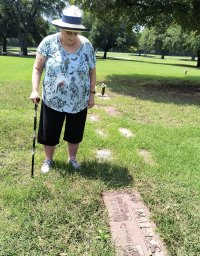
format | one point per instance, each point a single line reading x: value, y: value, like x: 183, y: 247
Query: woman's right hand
x: 35, y: 97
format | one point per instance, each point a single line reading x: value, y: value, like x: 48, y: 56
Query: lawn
x: 62, y: 213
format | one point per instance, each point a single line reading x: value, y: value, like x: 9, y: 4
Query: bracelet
x: 93, y: 92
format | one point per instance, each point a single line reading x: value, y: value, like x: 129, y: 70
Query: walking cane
x: 34, y: 136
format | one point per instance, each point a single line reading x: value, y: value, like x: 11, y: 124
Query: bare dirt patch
x: 93, y: 117
x: 104, y: 154
x: 111, y: 111
x: 146, y: 155
x: 133, y: 233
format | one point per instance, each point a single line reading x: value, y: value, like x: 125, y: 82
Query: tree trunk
x: 162, y: 54
x: 193, y: 57
x: 96, y: 50
x: 4, y: 44
x: 23, y: 44
x: 198, y: 58
x: 105, y: 54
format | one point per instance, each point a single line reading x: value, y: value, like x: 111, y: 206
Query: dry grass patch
x: 111, y: 111
x: 147, y: 157
x: 93, y: 117
x: 104, y: 154
x: 101, y: 133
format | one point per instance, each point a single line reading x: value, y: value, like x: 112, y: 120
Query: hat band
x: 71, y: 20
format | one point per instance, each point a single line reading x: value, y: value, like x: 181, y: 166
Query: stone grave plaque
x: 132, y: 231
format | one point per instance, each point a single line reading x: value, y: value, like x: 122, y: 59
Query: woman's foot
x: 74, y: 164
x: 46, y: 166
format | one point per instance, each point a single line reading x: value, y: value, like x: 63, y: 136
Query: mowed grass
x: 63, y: 213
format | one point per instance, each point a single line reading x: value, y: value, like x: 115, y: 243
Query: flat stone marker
x: 132, y: 231
x: 103, y: 154
x: 93, y: 117
x: 125, y: 132
x: 147, y: 157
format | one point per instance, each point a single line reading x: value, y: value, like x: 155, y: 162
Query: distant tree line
x: 173, y: 40
x: 25, y: 20
x: 170, y: 26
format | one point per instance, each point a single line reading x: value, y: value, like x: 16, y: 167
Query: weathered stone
x: 103, y: 154
x: 125, y: 132
x: 132, y: 231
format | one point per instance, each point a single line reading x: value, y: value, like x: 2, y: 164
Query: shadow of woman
x: 112, y: 175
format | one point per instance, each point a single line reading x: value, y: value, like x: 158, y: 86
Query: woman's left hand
x: 91, y: 102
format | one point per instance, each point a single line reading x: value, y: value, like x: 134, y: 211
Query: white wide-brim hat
x: 70, y: 23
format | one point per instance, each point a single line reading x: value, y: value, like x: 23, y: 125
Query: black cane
x: 34, y: 137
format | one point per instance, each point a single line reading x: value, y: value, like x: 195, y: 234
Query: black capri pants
x: 51, y: 123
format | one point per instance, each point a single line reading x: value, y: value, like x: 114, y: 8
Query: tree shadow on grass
x: 150, y: 62
x: 112, y: 175
x: 180, y: 92
x: 21, y: 56
x: 31, y: 54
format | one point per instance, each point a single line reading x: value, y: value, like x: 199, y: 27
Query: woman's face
x: 69, y: 36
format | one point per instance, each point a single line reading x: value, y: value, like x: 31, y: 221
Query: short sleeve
x: 44, y: 46
x: 91, y: 55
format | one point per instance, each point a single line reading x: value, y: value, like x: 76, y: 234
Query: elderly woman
x: 68, y: 85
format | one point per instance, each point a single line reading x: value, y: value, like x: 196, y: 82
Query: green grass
x: 180, y: 60
x: 63, y: 212
x: 140, y: 69
x: 16, y: 68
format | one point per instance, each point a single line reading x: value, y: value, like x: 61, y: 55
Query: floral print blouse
x: 66, y: 83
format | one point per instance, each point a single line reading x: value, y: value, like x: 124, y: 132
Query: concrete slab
x: 133, y: 233
x: 126, y: 133
x: 104, y: 154
x: 93, y: 117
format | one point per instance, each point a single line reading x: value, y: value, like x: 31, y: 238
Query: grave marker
x: 132, y: 231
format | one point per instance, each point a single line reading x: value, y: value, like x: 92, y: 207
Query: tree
x: 37, y: 31
x: 147, y: 40
x: 160, y: 34
x: 109, y: 33
x: 27, y: 16
x: 6, y: 28
x: 102, y: 36
x: 192, y: 44
x: 149, y: 12
x: 174, y: 39
x: 188, y: 17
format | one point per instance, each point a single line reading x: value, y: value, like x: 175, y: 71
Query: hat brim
x: 71, y: 27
